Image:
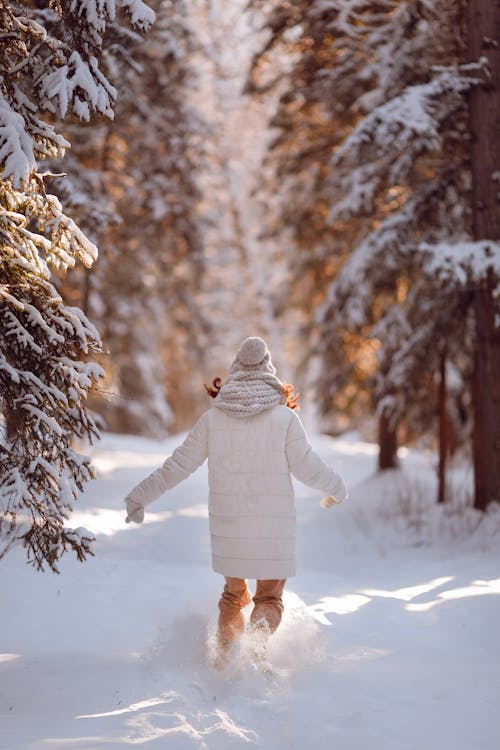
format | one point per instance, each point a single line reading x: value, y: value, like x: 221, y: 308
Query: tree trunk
x: 388, y: 443
x: 443, y: 430
x: 483, y: 24
x: 486, y: 401
x: 13, y: 423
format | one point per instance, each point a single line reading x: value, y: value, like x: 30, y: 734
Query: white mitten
x: 135, y: 511
x: 327, y: 501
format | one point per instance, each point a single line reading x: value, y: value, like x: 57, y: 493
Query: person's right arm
x: 308, y: 467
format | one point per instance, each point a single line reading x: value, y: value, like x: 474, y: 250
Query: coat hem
x: 262, y: 570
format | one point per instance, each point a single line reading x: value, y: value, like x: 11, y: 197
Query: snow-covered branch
x: 461, y: 263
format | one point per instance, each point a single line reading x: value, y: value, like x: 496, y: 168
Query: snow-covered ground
x: 389, y: 639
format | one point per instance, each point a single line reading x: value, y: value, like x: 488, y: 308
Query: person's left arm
x: 184, y: 460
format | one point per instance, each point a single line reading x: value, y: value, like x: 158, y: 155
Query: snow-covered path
x: 389, y: 640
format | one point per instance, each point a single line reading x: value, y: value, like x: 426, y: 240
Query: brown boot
x: 235, y: 597
x: 265, y: 619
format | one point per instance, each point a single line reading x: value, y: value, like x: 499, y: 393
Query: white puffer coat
x: 251, y: 498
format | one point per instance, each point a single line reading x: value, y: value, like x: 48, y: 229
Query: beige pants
x: 266, y: 614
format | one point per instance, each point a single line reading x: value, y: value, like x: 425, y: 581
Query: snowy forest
x: 177, y: 175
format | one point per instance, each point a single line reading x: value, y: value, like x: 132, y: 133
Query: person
x: 254, y: 442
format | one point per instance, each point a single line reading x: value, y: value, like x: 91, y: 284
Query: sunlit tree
x: 141, y: 170
x: 373, y: 126
x: 50, y: 60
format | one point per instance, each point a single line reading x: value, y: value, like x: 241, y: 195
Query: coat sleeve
x: 184, y: 460
x: 308, y: 467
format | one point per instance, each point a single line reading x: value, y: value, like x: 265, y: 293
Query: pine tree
x: 391, y: 184
x: 144, y: 167
x: 50, y: 62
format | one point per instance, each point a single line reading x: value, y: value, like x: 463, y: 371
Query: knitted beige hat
x: 253, y: 353
x: 252, y: 386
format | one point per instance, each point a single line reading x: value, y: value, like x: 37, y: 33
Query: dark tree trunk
x: 387, y: 443
x: 13, y: 423
x: 486, y: 401
x: 483, y: 24
x: 443, y: 430
x: 86, y: 291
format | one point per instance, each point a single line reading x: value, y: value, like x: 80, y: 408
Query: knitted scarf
x: 249, y: 391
